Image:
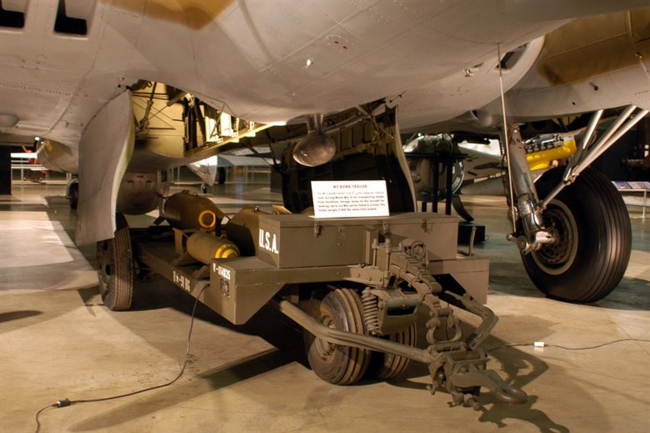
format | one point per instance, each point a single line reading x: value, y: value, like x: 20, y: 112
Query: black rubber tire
x: 221, y: 175
x: 115, y: 262
x: 386, y: 366
x: 589, y: 269
x: 74, y: 195
x: 339, y: 365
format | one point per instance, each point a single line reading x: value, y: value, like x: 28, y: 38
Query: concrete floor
x: 58, y: 341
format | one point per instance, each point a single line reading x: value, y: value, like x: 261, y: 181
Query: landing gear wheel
x: 115, y: 261
x: 74, y: 195
x: 204, y: 188
x: 340, y: 365
x: 592, y: 225
x: 385, y: 366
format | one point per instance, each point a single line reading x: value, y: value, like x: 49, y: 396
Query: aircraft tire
x: 386, y: 366
x: 339, y: 365
x: 115, y: 262
x: 593, y: 225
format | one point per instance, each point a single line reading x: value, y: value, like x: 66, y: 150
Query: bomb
x: 185, y: 211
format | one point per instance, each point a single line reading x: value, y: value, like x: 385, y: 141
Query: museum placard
x: 348, y: 199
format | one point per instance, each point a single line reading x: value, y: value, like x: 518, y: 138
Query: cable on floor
x: 65, y: 402
x: 542, y: 344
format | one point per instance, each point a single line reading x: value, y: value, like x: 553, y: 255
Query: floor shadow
x: 268, y: 323
x: 498, y: 412
x: 203, y: 383
x: 630, y: 294
x: 519, y: 367
x: 516, y: 367
x: 17, y: 315
x: 89, y: 296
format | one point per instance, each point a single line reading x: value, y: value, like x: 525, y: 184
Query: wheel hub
x: 560, y: 250
x: 105, y: 262
x: 558, y: 256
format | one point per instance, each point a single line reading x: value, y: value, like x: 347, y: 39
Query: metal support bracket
x: 587, y: 153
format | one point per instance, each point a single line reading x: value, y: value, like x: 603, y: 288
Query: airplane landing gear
x: 593, y: 239
x: 576, y: 242
x: 115, y: 262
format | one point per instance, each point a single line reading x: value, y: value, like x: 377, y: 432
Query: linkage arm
x: 586, y: 155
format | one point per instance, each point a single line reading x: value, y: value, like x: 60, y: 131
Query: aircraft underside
x: 141, y: 87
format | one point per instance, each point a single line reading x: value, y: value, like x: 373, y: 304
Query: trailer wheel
x: 385, y: 366
x: 592, y: 225
x: 115, y: 262
x: 340, y: 365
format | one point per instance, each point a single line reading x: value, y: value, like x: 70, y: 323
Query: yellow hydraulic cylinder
x: 542, y: 160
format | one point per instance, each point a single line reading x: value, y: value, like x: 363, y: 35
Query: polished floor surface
x: 58, y: 341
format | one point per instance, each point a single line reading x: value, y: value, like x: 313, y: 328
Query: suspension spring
x: 370, y: 312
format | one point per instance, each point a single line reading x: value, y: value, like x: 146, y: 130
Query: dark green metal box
x: 295, y: 241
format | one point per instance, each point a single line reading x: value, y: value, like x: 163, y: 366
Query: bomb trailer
x: 354, y: 284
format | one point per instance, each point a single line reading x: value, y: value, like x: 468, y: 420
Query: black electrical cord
x: 65, y: 402
x: 568, y: 348
x: 38, y: 422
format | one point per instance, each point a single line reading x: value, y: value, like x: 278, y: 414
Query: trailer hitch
x: 490, y: 380
x: 455, y: 364
x: 452, y: 364
x: 460, y: 366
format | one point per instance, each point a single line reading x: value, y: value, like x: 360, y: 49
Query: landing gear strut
x: 575, y: 243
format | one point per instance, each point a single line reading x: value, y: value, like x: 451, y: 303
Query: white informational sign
x: 346, y: 199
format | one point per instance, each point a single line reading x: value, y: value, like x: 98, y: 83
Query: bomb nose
x: 316, y: 148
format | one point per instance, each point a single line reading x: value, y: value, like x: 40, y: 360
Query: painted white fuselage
x: 269, y: 61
